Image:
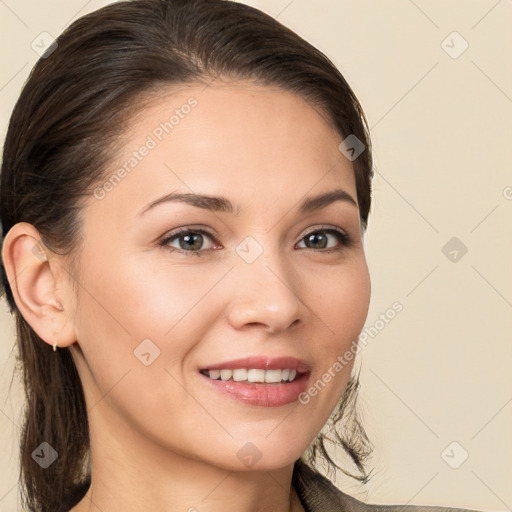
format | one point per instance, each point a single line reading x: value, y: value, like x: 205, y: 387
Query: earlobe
x: 33, y: 274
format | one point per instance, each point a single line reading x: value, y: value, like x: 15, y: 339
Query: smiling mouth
x: 255, y: 375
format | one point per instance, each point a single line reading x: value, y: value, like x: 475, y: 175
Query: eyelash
x: 343, y: 238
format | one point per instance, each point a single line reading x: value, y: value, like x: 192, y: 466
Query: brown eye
x: 320, y: 239
x: 188, y: 241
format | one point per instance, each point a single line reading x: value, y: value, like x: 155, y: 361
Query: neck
x: 146, y: 477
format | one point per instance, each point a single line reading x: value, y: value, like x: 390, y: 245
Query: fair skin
x: 162, y: 438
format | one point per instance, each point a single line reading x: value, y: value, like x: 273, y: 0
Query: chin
x: 260, y: 454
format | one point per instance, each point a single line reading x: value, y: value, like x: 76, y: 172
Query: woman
x: 185, y: 187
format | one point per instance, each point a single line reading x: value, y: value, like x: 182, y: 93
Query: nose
x: 265, y: 295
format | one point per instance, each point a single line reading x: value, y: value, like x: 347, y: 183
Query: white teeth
x: 214, y: 374
x: 226, y: 374
x: 273, y: 376
x: 253, y: 375
x: 256, y: 375
x: 238, y: 375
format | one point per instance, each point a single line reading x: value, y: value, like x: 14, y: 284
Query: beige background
x: 439, y: 372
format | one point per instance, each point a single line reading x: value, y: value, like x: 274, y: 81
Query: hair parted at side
x: 61, y: 136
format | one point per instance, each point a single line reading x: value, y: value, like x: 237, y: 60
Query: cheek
x: 343, y: 303
x: 137, y: 310
x: 131, y: 301
x: 342, y: 307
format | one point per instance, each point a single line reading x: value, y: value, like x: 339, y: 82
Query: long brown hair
x: 61, y: 135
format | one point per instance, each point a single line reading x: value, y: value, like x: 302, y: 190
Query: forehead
x: 249, y: 142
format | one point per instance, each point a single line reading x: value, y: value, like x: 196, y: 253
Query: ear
x: 33, y: 272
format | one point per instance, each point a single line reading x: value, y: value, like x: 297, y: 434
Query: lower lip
x: 264, y: 395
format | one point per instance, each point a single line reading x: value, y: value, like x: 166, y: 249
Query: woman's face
x: 278, y: 279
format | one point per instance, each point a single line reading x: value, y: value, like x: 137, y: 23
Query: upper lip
x: 262, y: 363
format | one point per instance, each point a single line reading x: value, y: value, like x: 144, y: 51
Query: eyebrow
x: 222, y: 204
